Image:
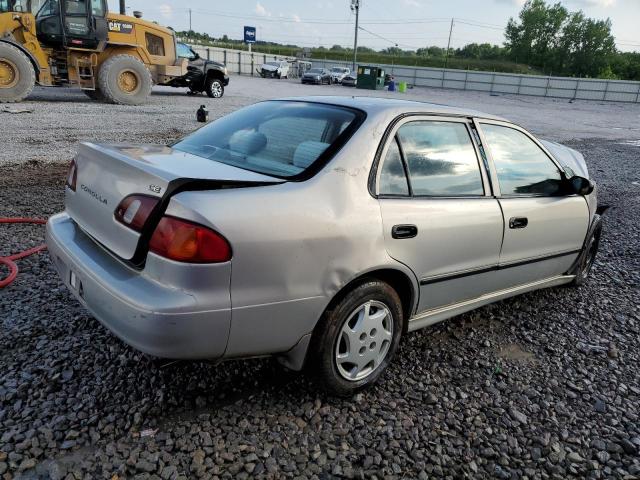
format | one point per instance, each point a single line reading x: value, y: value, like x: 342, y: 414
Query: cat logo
x: 120, y: 27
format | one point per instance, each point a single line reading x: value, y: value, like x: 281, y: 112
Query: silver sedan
x: 320, y: 230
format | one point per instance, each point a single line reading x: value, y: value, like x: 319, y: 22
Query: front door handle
x: 404, y: 231
x: 518, y: 222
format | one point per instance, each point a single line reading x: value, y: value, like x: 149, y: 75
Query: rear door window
x: 393, y: 180
x: 440, y: 159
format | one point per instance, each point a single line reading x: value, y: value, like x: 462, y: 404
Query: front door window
x: 521, y: 165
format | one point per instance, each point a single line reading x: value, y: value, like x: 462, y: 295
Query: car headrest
x: 247, y: 142
x: 308, y: 152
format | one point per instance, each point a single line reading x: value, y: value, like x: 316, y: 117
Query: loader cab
x: 72, y: 23
x: 14, y: 6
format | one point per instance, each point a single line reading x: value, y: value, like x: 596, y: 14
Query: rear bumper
x: 148, y: 314
x: 225, y: 80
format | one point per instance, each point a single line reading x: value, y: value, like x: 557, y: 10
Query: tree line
x: 545, y: 38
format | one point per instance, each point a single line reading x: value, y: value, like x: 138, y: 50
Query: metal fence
x: 242, y: 62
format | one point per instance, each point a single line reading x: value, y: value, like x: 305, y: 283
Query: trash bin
x: 402, y: 88
x: 392, y: 86
x: 370, y: 77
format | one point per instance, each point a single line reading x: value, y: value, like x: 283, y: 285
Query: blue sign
x: 249, y: 34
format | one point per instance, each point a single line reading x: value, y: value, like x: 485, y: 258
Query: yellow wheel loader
x: 115, y: 58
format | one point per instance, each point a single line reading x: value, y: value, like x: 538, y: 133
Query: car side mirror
x: 580, y: 185
x: 195, y: 56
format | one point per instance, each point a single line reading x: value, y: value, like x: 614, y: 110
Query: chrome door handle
x: 404, y: 231
x: 518, y: 222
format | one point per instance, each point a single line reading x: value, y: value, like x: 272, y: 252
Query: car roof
x: 376, y: 105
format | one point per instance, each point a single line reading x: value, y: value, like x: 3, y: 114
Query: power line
x: 387, y: 39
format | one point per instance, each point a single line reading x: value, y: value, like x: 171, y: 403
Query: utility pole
x: 355, y: 6
x: 123, y: 8
x: 190, y: 29
x: 446, y: 56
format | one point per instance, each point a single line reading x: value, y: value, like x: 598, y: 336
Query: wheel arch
x: 404, y: 283
x: 214, y: 73
x: 23, y: 49
x: 400, y: 281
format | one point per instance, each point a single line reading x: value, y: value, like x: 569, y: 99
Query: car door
x: 439, y: 216
x: 543, y: 229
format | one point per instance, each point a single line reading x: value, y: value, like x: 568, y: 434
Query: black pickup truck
x: 202, y: 75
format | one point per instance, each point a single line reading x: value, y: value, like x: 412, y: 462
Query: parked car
x: 317, y: 76
x: 350, y: 80
x: 338, y: 73
x: 320, y: 230
x: 202, y: 75
x: 276, y: 69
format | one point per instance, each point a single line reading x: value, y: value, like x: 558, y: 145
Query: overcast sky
x: 408, y: 23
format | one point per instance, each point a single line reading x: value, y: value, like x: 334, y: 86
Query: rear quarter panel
x: 295, y: 245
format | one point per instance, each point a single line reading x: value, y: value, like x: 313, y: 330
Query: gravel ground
x: 545, y: 385
x: 62, y: 117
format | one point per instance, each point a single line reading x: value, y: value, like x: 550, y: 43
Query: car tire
x: 365, y: 325
x: 214, y: 87
x: 588, y: 255
x: 17, y: 75
x: 125, y: 80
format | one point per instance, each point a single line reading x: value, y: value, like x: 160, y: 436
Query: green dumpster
x: 370, y: 77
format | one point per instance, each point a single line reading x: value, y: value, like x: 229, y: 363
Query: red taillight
x: 72, y: 175
x: 184, y: 241
x: 134, y: 210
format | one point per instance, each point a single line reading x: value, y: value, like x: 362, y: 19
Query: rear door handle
x: 518, y: 222
x: 404, y: 231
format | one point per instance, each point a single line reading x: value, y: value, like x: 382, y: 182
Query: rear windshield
x: 315, y: 70
x: 277, y: 138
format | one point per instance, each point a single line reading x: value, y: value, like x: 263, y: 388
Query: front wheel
x: 357, y: 338
x: 214, y: 88
x: 588, y: 255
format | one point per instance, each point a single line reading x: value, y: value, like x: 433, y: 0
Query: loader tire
x: 17, y: 75
x: 125, y: 80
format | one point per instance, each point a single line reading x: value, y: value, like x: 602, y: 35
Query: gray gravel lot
x: 63, y: 117
x: 545, y: 385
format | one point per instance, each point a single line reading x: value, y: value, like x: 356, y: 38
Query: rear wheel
x: 214, y: 88
x: 357, y: 338
x: 17, y: 75
x: 125, y: 80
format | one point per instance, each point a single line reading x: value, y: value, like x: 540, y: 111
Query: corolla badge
x: 155, y: 188
x: 94, y: 194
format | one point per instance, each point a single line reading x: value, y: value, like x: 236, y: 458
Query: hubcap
x: 128, y: 81
x: 364, y: 341
x: 9, y: 75
x: 216, y: 89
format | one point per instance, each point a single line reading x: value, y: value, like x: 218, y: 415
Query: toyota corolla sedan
x: 320, y: 230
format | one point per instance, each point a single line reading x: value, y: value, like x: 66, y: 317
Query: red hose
x: 10, y: 260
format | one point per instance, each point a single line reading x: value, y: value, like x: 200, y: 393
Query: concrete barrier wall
x: 245, y: 63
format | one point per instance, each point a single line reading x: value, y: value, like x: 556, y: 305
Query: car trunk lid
x: 106, y: 174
